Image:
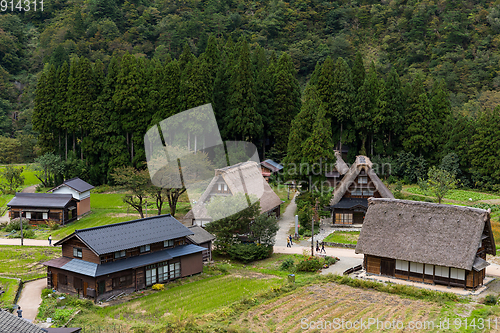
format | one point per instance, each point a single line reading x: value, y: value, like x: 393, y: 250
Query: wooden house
x: 101, y: 261
x: 269, y: 167
x: 243, y: 177
x: 426, y: 242
x: 11, y: 323
x: 334, y: 175
x: 39, y: 208
x: 202, y: 238
x: 80, y: 190
x: 349, y: 202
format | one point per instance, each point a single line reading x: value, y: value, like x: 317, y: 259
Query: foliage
x: 24, y: 262
x: 13, y: 179
x: 158, y: 286
x: 49, y: 169
x: 490, y: 300
x: 263, y: 229
x: 287, y: 264
x: 345, y: 237
x: 310, y: 264
x: 249, y: 252
x: 135, y: 181
x: 27, y: 233
x: 440, y: 182
x: 15, y: 225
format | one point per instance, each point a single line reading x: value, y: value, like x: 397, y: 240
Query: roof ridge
x: 122, y: 223
x: 67, y: 180
x: 425, y: 203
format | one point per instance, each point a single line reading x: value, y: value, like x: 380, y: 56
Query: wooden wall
x: 83, y: 206
x: 372, y: 264
x: 191, y: 264
x: 87, y: 254
x: 69, y: 287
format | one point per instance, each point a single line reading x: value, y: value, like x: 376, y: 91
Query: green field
x: 10, y: 287
x: 25, y: 262
x: 456, y: 195
x: 28, y: 173
x: 344, y: 237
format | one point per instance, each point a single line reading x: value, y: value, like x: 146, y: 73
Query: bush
x: 26, y: 234
x: 490, y: 300
x: 249, y: 252
x: 158, y: 286
x: 287, y: 264
x: 15, y: 225
x: 330, y: 260
x: 46, y: 292
x: 311, y: 264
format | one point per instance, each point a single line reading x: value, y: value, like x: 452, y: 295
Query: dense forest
x: 414, y: 83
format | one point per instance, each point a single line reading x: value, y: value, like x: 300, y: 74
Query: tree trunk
x: 74, y: 143
x: 66, y: 156
x: 132, y: 147
x: 340, y: 139
x: 371, y: 147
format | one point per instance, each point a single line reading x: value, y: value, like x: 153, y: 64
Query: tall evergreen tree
x: 44, y: 113
x: 243, y: 122
x: 367, y: 108
x: 286, y: 101
x: 61, y: 101
x: 342, y: 97
x: 186, y: 56
x: 358, y: 72
x: 169, y: 93
x: 417, y: 137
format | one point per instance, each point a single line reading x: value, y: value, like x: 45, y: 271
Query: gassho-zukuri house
x: 350, y: 198
x: 243, y: 177
x: 426, y: 242
x: 124, y: 257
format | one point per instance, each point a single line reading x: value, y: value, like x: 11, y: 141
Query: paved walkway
x: 26, y: 242
x: 286, y: 222
x: 31, y: 298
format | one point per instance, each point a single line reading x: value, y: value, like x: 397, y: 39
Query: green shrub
x: 26, y: 233
x: 330, y: 260
x: 46, y: 292
x: 249, y: 252
x: 15, y: 225
x: 311, y: 264
x: 490, y: 300
x: 287, y: 264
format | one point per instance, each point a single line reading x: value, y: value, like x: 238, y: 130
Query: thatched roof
x: 362, y: 163
x: 424, y: 232
x: 243, y: 177
x: 341, y: 167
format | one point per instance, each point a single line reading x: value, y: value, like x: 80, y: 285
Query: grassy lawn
x: 25, y: 262
x: 456, y: 195
x: 10, y: 287
x: 344, y: 237
x: 28, y: 173
x: 282, y: 192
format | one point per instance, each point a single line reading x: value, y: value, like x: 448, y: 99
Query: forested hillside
x: 418, y: 91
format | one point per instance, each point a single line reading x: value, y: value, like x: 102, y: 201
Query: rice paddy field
x: 25, y: 262
x: 456, y: 195
x: 9, y: 286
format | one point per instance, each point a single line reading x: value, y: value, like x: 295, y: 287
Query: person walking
x: 19, y: 312
x: 291, y: 240
x: 288, y: 242
x: 323, y: 247
x: 50, y: 240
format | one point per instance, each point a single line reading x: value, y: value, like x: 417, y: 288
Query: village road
x: 286, y: 222
x: 31, y: 298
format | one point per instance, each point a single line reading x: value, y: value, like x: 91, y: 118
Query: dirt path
x: 31, y: 298
x: 26, y: 242
x: 286, y: 222
x: 30, y: 189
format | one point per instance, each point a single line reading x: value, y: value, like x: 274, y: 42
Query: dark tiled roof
x: 93, y: 270
x: 47, y: 200
x: 273, y: 166
x: 10, y: 323
x: 64, y: 330
x: 57, y: 262
x: 200, y: 235
x: 121, y: 236
x: 78, y: 184
x: 347, y: 203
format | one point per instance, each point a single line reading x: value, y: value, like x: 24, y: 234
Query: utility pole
x: 312, y: 236
x: 21, y: 221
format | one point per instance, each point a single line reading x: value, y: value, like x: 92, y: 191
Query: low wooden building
x: 39, y: 208
x: 244, y: 178
x: 80, y: 190
x: 349, y: 202
x: 426, y: 242
x: 269, y: 167
x: 101, y: 261
x: 202, y: 238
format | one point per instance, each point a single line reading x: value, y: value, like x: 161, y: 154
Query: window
x: 458, y: 274
x: 356, y: 191
x: 367, y: 191
x: 175, y: 270
x: 163, y: 273
x: 402, y: 265
x: 77, y: 252
x: 343, y: 218
x: 119, y: 254
x: 150, y: 276
x: 362, y: 180
x: 45, y: 216
x: 416, y: 267
x: 28, y: 215
x: 429, y: 269
x: 63, y: 279
x: 179, y: 242
x: 145, y: 248
x: 106, y: 258
x: 168, y: 243
x: 225, y: 187
x: 442, y: 271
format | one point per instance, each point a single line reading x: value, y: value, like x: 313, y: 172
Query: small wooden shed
x: 426, y: 242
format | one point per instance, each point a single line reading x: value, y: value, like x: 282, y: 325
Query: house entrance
x: 387, y: 267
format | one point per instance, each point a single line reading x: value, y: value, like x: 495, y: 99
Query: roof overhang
x: 479, y: 264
